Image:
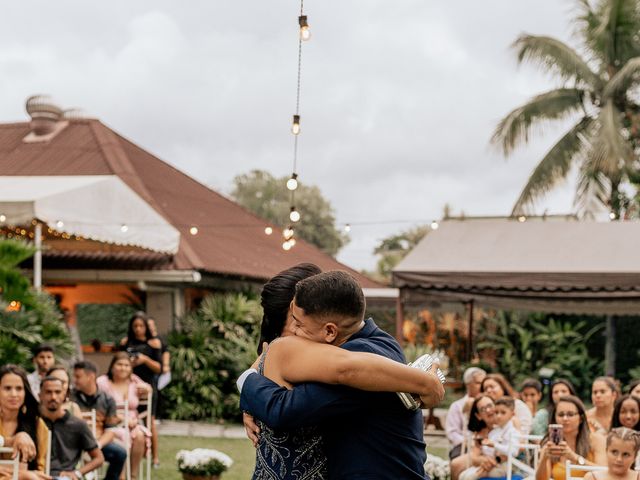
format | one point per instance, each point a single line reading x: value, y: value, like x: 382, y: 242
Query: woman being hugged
x: 622, y: 448
x: 19, y: 413
x: 577, y: 443
x: 497, y: 386
x: 604, y: 392
x: 287, y: 360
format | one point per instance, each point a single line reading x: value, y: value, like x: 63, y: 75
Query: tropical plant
x: 525, y: 343
x: 210, y: 349
x: 394, y: 248
x: 599, y: 93
x: 28, y: 317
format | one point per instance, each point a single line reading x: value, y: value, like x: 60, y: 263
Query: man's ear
x: 330, y: 331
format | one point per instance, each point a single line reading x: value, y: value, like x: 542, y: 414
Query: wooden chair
x: 14, y: 463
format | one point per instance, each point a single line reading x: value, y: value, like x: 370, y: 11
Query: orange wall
x: 88, y: 293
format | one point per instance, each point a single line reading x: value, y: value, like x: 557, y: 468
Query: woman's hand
x: 486, y: 464
x: 250, y: 427
x: 561, y: 451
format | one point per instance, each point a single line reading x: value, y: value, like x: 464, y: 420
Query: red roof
x: 230, y: 239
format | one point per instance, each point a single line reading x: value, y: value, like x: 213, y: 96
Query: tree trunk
x: 610, y: 347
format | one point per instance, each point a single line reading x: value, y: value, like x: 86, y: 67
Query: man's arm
x: 306, y: 404
x: 97, y: 459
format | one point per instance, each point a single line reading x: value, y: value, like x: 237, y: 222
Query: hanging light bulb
x: 612, y: 216
x: 268, y: 230
x: 193, y: 230
x: 522, y: 219
x: 347, y: 228
x: 434, y: 225
x: 305, y: 33
x: 292, y: 242
x: 59, y: 224
x: 292, y: 183
x: 286, y: 245
x: 288, y: 232
x: 295, y: 127
x: 3, y: 218
x: 294, y: 215
x: 124, y: 228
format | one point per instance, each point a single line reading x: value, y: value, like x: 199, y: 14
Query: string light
x: 124, y: 228
x: 294, y: 215
x: 286, y: 245
x: 612, y: 216
x: 305, y: 33
x: 522, y: 219
x: 288, y: 232
x: 59, y: 224
x: 3, y: 218
x: 292, y: 183
x: 434, y: 225
x: 295, y: 127
x: 292, y: 242
x: 347, y: 228
x: 268, y: 230
x: 193, y: 230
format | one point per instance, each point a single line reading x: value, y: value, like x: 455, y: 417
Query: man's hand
x: 70, y: 475
x: 23, y: 445
x: 436, y: 391
x: 253, y: 431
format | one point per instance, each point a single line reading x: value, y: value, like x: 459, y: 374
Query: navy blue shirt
x: 367, y: 435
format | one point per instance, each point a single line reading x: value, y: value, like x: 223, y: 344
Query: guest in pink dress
x: 125, y: 387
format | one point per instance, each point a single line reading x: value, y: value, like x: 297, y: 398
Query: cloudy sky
x: 399, y: 98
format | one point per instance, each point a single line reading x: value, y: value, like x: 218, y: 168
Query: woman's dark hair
x: 476, y: 424
x: 615, y: 418
x: 28, y: 414
x: 566, y: 383
x: 147, y: 333
x: 583, y: 440
x: 117, y: 356
x: 56, y: 368
x: 276, y: 297
x: 503, y: 382
x: 633, y: 385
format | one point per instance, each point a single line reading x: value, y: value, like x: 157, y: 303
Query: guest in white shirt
x: 43, y: 359
x: 457, y: 416
x: 498, y: 444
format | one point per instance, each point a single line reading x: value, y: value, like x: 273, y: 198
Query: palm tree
x: 598, y: 90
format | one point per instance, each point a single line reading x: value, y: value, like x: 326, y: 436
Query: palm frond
x: 553, y: 105
x: 611, y: 150
x: 556, y: 57
x: 592, y: 193
x: 622, y: 81
x: 555, y: 166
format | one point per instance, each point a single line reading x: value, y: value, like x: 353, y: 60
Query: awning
x: 556, y: 266
x: 98, y: 207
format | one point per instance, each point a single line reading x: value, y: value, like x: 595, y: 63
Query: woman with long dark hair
x: 497, y: 386
x: 560, y: 387
x: 604, y: 392
x: 19, y: 413
x: 578, y: 444
x: 298, y: 454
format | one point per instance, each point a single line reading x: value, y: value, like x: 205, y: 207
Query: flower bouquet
x: 437, y: 468
x: 202, y: 463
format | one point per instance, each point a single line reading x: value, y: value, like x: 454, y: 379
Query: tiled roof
x: 230, y: 240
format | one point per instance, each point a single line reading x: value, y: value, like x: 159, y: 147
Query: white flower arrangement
x: 203, y: 461
x: 437, y: 468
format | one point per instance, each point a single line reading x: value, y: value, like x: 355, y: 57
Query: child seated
x: 497, y: 445
x: 622, y: 447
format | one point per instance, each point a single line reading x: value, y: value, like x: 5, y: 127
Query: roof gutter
x: 162, y: 276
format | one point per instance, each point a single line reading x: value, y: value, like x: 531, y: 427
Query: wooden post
x: 610, y: 347
x: 37, y: 258
x: 470, y: 333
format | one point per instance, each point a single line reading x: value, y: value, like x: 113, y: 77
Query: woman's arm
x: 298, y: 360
x: 598, y: 445
x: 544, y: 464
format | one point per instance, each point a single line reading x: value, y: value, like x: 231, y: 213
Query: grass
x: 240, y: 450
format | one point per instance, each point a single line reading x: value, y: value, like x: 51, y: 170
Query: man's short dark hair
x: 508, y: 402
x: 531, y: 383
x: 42, y: 347
x: 331, y: 293
x: 85, y: 365
x: 49, y: 378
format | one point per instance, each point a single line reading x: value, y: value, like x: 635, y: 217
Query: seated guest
x: 496, y: 386
x: 69, y: 405
x: 19, y: 413
x: 43, y: 359
x: 634, y: 388
x: 626, y: 413
x: 622, y: 447
x: 70, y: 436
x: 88, y: 397
x: 578, y: 445
x: 123, y: 386
x: 604, y: 392
x: 531, y: 394
x: 456, y: 422
x: 560, y: 387
x: 481, y: 421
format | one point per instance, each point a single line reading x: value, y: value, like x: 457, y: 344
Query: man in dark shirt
x: 88, y: 397
x: 70, y: 436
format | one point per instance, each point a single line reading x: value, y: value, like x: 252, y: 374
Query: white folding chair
x: 47, y: 462
x: 519, y: 443
x: 90, y: 418
x: 123, y: 409
x: 14, y: 463
x: 573, y: 467
x: 146, y: 418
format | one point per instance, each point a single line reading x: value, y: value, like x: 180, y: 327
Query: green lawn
x: 241, y: 451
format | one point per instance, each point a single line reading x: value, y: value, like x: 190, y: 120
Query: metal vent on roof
x: 46, y: 118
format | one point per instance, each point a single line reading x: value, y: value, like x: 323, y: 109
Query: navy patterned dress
x: 289, y: 455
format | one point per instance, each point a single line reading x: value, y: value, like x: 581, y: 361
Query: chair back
x: 47, y: 462
x: 90, y: 417
x: 573, y: 467
x: 147, y: 418
x: 522, y: 443
x: 13, y: 462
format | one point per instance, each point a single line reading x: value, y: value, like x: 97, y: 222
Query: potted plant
x: 202, y: 463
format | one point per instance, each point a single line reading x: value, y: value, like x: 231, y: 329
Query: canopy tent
x: 550, y: 266
x: 97, y: 207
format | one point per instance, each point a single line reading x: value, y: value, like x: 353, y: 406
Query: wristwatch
x: 581, y: 460
x: 78, y: 474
